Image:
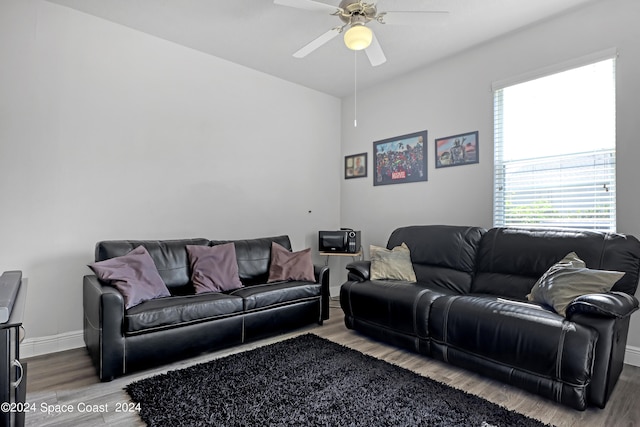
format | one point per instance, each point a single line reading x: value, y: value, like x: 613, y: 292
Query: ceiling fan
x: 355, y: 15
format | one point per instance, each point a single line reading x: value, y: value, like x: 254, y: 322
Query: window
x: 555, y: 155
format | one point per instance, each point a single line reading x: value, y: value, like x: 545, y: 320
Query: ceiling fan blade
x: 413, y: 17
x: 307, y: 5
x: 374, y: 52
x: 326, y: 37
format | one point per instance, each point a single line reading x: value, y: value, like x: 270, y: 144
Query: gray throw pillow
x: 394, y: 264
x: 214, y: 268
x: 287, y: 265
x: 568, y: 279
x: 135, y: 275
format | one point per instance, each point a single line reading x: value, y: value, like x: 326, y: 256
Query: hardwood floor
x: 68, y: 378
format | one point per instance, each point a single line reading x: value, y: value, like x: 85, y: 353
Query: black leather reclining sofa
x: 154, y: 332
x: 469, y: 307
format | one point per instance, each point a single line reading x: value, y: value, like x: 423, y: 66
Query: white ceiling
x: 263, y: 36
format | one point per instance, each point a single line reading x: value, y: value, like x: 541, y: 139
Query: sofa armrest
x: 322, y: 276
x: 611, y: 304
x: 359, y: 270
x: 608, y: 314
x: 103, y: 308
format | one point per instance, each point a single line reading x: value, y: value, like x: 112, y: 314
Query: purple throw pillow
x: 287, y: 265
x: 214, y: 268
x: 135, y: 275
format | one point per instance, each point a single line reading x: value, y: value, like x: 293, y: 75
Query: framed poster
x: 401, y: 159
x: 355, y: 166
x: 457, y: 150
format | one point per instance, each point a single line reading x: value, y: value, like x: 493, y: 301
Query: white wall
x: 454, y: 96
x: 109, y: 133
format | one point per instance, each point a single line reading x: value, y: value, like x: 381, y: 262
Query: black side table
x: 13, y: 373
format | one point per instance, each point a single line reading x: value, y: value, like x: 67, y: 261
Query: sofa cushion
x: 391, y: 264
x: 391, y: 304
x: 169, y: 256
x: 287, y: 265
x: 511, y: 260
x: 520, y: 335
x: 271, y: 294
x: 253, y: 256
x: 179, y: 310
x: 442, y: 255
x: 134, y: 275
x: 568, y: 279
x: 213, y: 268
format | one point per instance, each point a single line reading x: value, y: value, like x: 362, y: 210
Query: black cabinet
x: 13, y: 373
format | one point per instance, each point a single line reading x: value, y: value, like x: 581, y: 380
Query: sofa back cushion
x: 253, y: 257
x: 169, y: 256
x: 511, y: 260
x: 442, y: 255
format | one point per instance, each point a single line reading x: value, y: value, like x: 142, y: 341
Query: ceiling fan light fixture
x: 358, y: 37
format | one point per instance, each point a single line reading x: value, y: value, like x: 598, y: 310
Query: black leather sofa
x: 469, y: 307
x: 162, y: 330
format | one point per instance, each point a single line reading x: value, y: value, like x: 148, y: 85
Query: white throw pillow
x: 394, y: 264
x: 568, y: 279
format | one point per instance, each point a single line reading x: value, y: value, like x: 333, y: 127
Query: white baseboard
x: 632, y: 356
x: 51, y: 344
x: 69, y: 340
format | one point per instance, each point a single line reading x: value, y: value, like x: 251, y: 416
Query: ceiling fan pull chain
x: 355, y: 88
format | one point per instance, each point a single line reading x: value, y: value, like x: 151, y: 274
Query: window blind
x: 554, y: 156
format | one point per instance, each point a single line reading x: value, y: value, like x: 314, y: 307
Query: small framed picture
x: 457, y: 150
x: 401, y: 159
x: 355, y: 166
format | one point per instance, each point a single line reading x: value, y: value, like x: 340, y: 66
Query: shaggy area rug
x: 309, y: 381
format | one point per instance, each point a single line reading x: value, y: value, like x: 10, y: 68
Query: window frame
x: 499, y: 200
